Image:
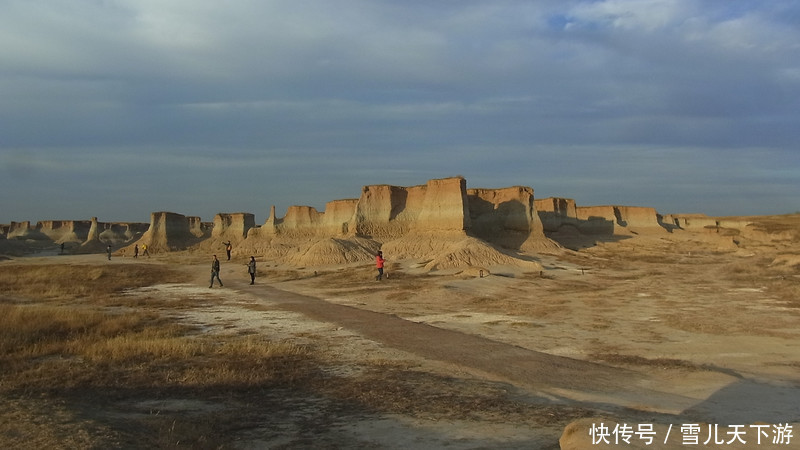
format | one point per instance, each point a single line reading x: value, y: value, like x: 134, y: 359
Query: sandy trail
x: 556, y: 378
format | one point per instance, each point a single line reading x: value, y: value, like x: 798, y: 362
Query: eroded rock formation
x: 440, y: 221
x: 168, y: 231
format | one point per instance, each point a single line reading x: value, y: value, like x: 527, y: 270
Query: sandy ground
x: 666, y: 329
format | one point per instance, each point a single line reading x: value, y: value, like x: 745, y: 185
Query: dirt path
x: 560, y: 379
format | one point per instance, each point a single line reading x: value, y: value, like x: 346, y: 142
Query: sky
x: 118, y: 108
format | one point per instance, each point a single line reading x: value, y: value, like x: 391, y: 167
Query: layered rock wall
x: 444, y: 206
x: 230, y: 226
x: 63, y: 231
x: 167, y: 231
x: 23, y: 230
x: 338, y: 217
x: 555, y: 212
x: 507, y: 217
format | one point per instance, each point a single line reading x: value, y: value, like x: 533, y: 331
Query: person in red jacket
x: 379, y: 264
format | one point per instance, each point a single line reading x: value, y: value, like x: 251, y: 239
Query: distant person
x: 379, y: 261
x: 144, y: 250
x: 108, y: 250
x: 215, y: 272
x: 136, y: 251
x: 62, y: 248
x: 228, y: 248
x: 251, y: 269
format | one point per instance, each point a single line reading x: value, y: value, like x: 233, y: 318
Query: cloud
x: 338, y: 94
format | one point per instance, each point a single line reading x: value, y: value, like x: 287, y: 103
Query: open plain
x: 667, y: 329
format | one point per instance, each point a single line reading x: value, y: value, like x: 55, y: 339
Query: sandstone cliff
x: 437, y: 222
x: 507, y: 217
x: 555, y: 212
x: 64, y: 231
x: 167, y: 232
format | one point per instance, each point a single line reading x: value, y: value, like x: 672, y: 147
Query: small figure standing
x: 144, y: 250
x: 228, y: 248
x: 379, y: 264
x: 62, y: 248
x: 136, y: 251
x: 251, y: 269
x: 108, y: 250
x: 215, y: 272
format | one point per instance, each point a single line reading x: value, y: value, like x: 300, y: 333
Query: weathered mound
x: 333, y: 251
x: 471, y: 252
x: 452, y: 251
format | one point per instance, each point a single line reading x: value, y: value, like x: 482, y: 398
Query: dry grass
x: 72, y: 369
x: 135, y: 349
x: 71, y: 282
x: 85, y: 362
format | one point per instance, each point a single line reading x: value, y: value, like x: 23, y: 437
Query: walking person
x: 251, y: 269
x: 228, y: 248
x: 135, y: 251
x: 144, y: 250
x: 108, y: 250
x: 215, y: 272
x: 379, y: 264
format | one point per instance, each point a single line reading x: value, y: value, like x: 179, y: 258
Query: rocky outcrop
x: 228, y: 226
x: 616, y: 219
x: 24, y: 231
x: 507, y: 217
x: 338, y: 217
x: 440, y: 222
x: 555, y: 212
x: 384, y: 212
x: 702, y: 221
x: 168, y: 231
x: 198, y: 228
x: 64, y: 231
x: 118, y: 233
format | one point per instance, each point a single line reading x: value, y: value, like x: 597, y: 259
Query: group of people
x: 251, y: 267
x: 215, y: 267
x: 136, y: 251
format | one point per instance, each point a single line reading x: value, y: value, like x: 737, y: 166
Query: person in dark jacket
x: 251, y: 269
x: 215, y: 272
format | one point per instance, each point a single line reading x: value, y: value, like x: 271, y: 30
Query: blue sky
x: 118, y: 108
